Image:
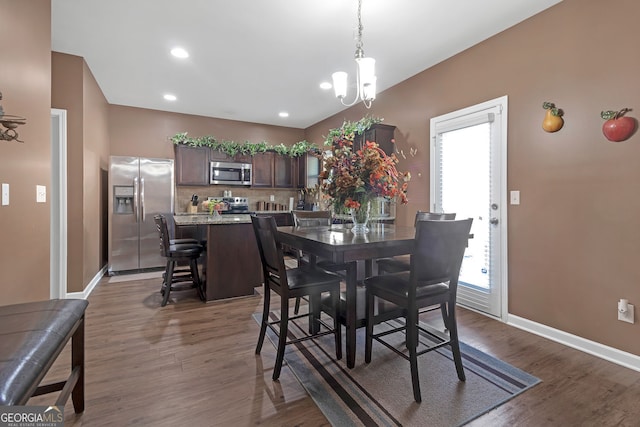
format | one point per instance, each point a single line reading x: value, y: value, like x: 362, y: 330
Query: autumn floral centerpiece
x: 353, y: 177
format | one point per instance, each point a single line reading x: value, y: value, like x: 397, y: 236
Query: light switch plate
x: 41, y: 194
x: 514, y: 197
x: 5, y: 194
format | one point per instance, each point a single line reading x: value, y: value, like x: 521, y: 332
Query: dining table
x: 337, y: 243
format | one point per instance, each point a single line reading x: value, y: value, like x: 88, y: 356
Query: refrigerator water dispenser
x: 123, y: 199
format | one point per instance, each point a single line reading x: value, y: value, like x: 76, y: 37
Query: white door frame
x: 502, y: 102
x: 58, y: 197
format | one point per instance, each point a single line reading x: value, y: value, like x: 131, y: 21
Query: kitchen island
x: 233, y: 266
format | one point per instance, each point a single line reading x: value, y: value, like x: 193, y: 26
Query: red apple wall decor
x: 617, y: 126
x: 553, y: 120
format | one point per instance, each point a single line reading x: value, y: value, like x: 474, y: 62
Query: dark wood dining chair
x: 401, y: 263
x: 432, y: 280
x: 305, y: 219
x: 175, y: 279
x: 288, y: 284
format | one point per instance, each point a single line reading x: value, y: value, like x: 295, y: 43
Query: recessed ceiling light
x: 326, y: 85
x: 283, y: 114
x: 170, y: 97
x: 179, y: 52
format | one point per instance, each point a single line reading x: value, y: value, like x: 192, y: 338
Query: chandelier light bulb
x: 340, y: 84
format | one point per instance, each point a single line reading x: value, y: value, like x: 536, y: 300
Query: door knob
x: 493, y: 221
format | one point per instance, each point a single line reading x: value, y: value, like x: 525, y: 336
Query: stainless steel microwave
x: 230, y: 173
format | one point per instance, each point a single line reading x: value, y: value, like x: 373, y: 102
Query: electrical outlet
x: 627, y: 316
x: 272, y: 198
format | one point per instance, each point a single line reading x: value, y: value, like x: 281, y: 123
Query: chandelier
x: 365, y: 74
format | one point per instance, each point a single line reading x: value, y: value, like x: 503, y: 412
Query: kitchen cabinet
x: 262, y: 170
x: 233, y: 262
x: 272, y: 170
x: 192, y: 165
x: 282, y: 171
x: 380, y: 133
x: 220, y: 156
x: 283, y: 219
x: 306, y: 170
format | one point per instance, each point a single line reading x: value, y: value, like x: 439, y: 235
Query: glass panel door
x: 467, y: 167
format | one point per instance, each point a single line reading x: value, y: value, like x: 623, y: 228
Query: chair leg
x: 314, y: 314
x: 369, y: 316
x: 164, y: 278
x: 445, y: 316
x: 265, y: 318
x: 412, y: 346
x: 168, y: 281
x: 193, y: 263
x: 297, y: 307
x: 282, y: 337
x: 335, y: 297
x: 454, y: 342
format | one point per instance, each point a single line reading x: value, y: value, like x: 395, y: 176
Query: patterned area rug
x: 380, y: 393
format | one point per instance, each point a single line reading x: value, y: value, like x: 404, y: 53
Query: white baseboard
x: 611, y: 354
x: 92, y: 284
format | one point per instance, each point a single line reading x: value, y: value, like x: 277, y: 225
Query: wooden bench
x: 32, y: 335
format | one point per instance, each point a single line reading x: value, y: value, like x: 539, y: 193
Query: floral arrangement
x: 213, y: 205
x: 351, y: 178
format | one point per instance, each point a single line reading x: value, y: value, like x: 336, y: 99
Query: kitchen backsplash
x: 254, y: 195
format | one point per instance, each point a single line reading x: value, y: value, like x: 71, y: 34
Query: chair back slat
x: 311, y: 218
x: 433, y: 216
x: 163, y: 231
x: 270, y: 249
x: 439, y: 250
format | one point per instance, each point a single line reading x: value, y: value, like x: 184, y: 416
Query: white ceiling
x: 251, y: 59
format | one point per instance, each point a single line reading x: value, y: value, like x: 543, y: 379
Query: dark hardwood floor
x: 193, y: 364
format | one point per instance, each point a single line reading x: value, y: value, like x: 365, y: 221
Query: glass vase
x: 360, y: 218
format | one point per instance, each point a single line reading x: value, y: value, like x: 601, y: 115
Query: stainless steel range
x: 236, y: 205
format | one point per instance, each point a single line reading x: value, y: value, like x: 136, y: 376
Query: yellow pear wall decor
x: 553, y: 120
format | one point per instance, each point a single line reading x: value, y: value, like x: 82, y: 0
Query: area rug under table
x: 380, y: 393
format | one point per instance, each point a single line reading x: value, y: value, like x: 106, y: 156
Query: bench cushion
x: 32, y: 335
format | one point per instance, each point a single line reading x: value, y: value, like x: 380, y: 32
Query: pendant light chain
x: 359, y: 51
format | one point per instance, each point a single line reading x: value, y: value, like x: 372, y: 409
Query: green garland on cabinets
x: 233, y: 148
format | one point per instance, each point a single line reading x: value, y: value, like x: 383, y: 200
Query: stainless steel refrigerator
x: 140, y: 188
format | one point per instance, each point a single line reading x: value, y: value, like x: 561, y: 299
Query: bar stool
x: 174, y: 253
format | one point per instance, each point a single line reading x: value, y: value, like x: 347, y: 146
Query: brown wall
x: 66, y: 94
x: 95, y: 166
x: 146, y: 133
x: 25, y: 83
x: 573, y: 240
x: 75, y: 90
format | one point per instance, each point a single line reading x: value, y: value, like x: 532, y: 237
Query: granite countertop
x: 203, y: 219
x: 203, y: 213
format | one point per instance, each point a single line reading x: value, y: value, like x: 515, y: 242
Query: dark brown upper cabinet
x: 381, y: 134
x: 283, y: 171
x: 272, y: 170
x: 192, y: 165
x: 262, y: 170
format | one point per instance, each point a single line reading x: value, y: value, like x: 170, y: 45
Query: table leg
x: 352, y: 282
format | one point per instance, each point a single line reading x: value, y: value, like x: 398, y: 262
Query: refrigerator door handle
x: 142, y: 199
x: 135, y: 198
